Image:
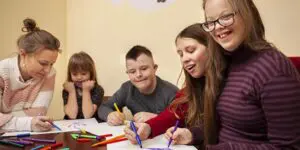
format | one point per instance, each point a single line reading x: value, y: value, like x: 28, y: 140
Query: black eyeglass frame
x: 231, y: 15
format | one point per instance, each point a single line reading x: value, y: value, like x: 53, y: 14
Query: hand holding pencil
x: 180, y: 136
x: 40, y: 123
x: 143, y: 130
x: 116, y: 117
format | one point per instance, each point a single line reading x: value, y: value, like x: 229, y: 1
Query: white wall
x: 282, y: 22
x: 107, y: 31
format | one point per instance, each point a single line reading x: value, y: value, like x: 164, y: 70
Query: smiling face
x: 229, y: 37
x: 192, y: 55
x: 39, y: 63
x: 141, y: 73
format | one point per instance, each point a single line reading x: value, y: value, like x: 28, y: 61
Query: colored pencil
x: 109, y: 140
x: 39, y: 140
x: 137, y: 137
x: 23, y: 135
x: 117, y: 108
x: 113, y: 141
x: 175, y: 128
x: 55, y: 126
x: 11, y: 143
x: 38, y: 147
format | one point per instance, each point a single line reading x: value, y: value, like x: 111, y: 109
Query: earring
x: 23, y: 66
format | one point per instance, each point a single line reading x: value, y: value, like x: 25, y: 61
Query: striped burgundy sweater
x: 259, y: 107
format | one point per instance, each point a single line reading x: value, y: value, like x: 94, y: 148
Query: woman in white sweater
x: 27, y: 81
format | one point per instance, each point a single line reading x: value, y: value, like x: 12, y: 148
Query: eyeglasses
x: 224, y: 21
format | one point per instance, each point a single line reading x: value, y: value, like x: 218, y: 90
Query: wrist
x: 71, y: 91
x: 86, y: 89
x: 190, y: 135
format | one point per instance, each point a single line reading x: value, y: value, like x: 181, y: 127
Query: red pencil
x: 83, y: 140
x: 105, y: 135
x: 53, y: 146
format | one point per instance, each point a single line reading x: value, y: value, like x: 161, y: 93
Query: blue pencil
x: 55, y: 126
x: 176, y: 125
x: 38, y: 147
x: 23, y: 135
x: 137, y: 136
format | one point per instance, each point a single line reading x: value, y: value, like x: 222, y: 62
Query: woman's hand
x: 180, y: 136
x: 40, y: 123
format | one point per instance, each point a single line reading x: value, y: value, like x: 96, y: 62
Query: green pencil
x: 90, y: 136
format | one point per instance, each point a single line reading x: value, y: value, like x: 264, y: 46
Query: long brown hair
x: 201, y: 102
x: 254, y: 27
x: 254, y: 38
x: 82, y: 61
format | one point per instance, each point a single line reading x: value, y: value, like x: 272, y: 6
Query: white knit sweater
x: 20, y: 100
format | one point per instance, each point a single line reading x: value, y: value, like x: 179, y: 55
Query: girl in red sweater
x: 194, y: 104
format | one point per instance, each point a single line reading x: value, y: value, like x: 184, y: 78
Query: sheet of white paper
x: 75, y: 125
x: 157, y: 142
x: 104, y: 128
x: 65, y: 125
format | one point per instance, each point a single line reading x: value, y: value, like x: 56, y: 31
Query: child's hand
x: 115, y: 118
x: 143, y: 116
x: 143, y: 130
x: 88, y: 85
x: 69, y: 86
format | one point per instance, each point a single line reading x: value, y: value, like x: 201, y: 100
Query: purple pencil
x: 20, y: 142
x: 39, y: 140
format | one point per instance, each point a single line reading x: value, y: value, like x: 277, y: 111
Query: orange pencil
x: 109, y: 140
x: 114, y: 141
x: 53, y: 146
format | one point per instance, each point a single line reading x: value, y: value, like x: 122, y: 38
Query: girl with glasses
x: 259, y: 106
x: 27, y: 81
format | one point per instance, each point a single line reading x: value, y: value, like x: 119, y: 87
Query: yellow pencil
x: 83, y: 131
x: 118, y: 110
x: 116, y: 107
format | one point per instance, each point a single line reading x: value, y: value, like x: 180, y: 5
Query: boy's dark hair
x: 136, y: 51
